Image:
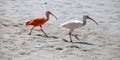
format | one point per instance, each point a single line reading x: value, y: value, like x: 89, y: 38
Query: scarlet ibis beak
x: 93, y: 20
x: 54, y: 16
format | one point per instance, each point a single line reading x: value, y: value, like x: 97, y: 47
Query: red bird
x: 39, y: 22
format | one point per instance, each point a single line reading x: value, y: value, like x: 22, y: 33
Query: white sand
x: 96, y: 42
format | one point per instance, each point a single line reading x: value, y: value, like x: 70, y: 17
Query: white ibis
x: 72, y: 25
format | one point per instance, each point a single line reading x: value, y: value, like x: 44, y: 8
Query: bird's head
x: 48, y: 12
x: 87, y: 17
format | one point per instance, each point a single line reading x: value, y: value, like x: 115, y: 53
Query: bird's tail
x: 61, y: 25
x: 27, y: 23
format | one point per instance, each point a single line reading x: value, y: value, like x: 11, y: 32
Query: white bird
x: 72, y: 25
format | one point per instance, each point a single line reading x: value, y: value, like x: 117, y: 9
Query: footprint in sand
x: 24, y: 53
x: 73, y: 46
x: 59, y: 48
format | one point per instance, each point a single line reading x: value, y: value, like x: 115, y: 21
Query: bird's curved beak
x: 54, y: 16
x: 93, y: 20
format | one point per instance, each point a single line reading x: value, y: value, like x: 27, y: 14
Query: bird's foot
x: 46, y: 36
x: 76, y: 37
x: 29, y: 33
x: 71, y: 41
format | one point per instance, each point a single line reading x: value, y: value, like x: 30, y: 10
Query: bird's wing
x: 71, y: 24
x: 37, y: 21
x: 76, y: 21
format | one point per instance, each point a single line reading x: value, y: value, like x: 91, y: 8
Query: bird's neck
x: 47, y: 16
x: 84, y: 22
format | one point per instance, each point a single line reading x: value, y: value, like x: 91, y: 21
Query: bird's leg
x: 70, y: 37
x: 30, y: 31
x: 70, y: 34
x: 75, y: 36
x: 44, y: 32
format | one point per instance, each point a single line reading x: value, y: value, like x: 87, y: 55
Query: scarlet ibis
x: 39, y: 22
x: 72, y: 25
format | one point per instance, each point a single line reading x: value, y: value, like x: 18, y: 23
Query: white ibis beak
x: 93, y: 20
x: 54, y: 16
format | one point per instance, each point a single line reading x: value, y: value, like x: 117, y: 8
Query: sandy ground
x: 96, y: 42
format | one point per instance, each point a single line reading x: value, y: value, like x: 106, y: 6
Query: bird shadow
x: 65, y: 40
x: 48, y: 36
x: 86, y: 43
